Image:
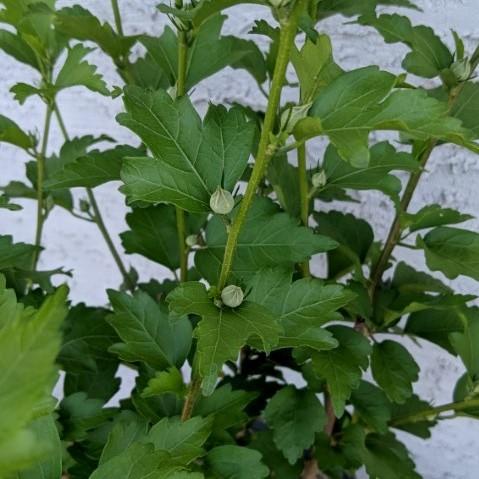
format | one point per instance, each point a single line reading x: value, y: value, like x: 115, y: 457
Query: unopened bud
x: 292, y: 116
x: 232, y: 296
x: 462, y: 69
x: 191, y: 240
x: 279, y: 3
x: 319, y: 179
x: 222, y: 201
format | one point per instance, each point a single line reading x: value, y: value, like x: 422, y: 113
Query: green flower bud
x: 462, y: 69
x: 279, y: 3
x: 222, y: 201
x: 232, y: 296
x: 191, y: 240
x: 291, y: 116
x: 319, y: 179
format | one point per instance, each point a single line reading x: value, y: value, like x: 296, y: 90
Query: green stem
x: 40, y: 178
x: 180, y: 214
x: 265, y: 149
x: 97, y: 216
x: 434, y: 411
x: 116, y: 13
x: 395, y: 231
x: 191, y: 398
x: 304, y: 197
x: 394, y: 235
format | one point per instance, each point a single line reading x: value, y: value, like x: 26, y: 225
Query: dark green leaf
x: 234, y: 462
x: 465, y: 343
x: 268, y: 238
x: 11, y: 133
x: 295, y: 417
x: 15, y: 46
x: 372, y: 405
x: 432, y: 215
x: 191, y: 157
x: 383, y: 159
x: 394, y: 369
x: 342, y: 367
x: 452, y: 251
x: 413, y: 405
x: 222, y: 331
x: 148, y: 333
x: 360, y: 101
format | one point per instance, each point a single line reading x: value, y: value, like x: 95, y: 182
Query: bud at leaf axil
x: 191, y: 240
x: 222, y: 201
x: 279, y: 3
x: 319, y: 179
x: 232, y: 296
x: 462, y: 69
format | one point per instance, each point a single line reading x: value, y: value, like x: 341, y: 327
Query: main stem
x: 181, y: 91
x: 395, y: 230
x: 265, y: 149
x: 40, y: 178
x: 98, y: 217
x: 304, y: 197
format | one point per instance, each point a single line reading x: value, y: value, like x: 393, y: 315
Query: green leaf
x: 432, y: 215
x: 466, y: 107
x: 302, y: 307
x: 315, y: 67
x: 355, y: 237
x: 77, y: 22
x: 465, y: 343
x: 138, y: 461
x: 29, y: 343
x: 383, y: 159
x: 235, y: 462
x: 413, y: 405
x: 351, y: 8
x: 86, y: 339
x: 342, y: 367
x: 79, y: 414
x: 385, y: 457
x: 129, y: 428
x: 169, y: 381
x: 182, y: 439
x: 208, y: 53
x: 6, y: 205
x: 225, y: 405
x: 360, y: 101
x: 15, y: 255
x: 283, y: 177
x: 268, y: 238
x: 11, y: 133
x: 153, y: 233
x: 76, y: 72
x: 394, y: 369
x: 46, y: 433
x: 23, y: 91
x: 222, y: 331
x: 428, y: 56
x: 148, y: 333
x: 372, y: 405
x: 15, y: 46
x: 407, y: 280
x: 191, y: 157
x: 295, y: 415
x: 203, y: 10
x: 91, y: 169
x: 452, y: 251
x: 436, y: 326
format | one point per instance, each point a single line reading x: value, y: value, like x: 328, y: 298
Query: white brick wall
x: 452, y: 180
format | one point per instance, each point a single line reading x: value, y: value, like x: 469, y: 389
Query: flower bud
x: 279, y: 3
x: 232, y: 296
x: 319, y: 179
x: 292, y: 116
x: 462, y: 69
x: 191, y: 240
x: 222, y: 201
